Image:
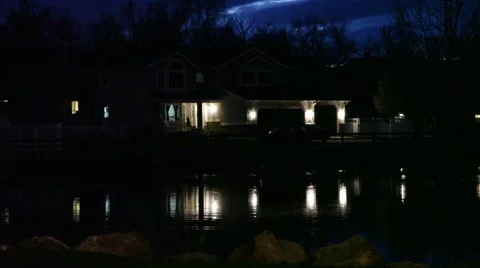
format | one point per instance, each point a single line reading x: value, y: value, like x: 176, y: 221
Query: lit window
x: 76, y: 209
x: 199, y: 78
x: 75, y: 107
x: 106, y: 113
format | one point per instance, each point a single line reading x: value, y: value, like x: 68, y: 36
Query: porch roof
x: 286, y: 93
x: 201, y: 94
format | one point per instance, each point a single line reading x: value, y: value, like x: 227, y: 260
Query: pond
x: 405, y: 214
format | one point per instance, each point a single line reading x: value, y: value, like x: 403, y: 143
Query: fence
x: 380, y: 125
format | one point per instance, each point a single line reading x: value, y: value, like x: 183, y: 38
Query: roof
x: 201, y: 94
x: 287, y: 93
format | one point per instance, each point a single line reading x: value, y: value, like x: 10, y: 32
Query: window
x: 265, y: 78
x: 75, y: 107
x: 173, y: 113
x: 161, y: 80
x: 175, y: 80
x: 106, y: 113
x: 248, y: 78
x: 199, y: 78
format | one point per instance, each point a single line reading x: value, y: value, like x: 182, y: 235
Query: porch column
x: 309, y: 111
x: 199, y: 115
x: 252, y: 114
x: 341, y: 114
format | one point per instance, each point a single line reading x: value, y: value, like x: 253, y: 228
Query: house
x: 51, y: 95
x: 252, y: 88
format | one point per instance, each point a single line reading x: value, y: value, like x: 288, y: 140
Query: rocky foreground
x: 133, y: 250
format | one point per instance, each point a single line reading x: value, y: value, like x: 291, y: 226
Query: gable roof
x: 175, y: 54
x: 261, y: 53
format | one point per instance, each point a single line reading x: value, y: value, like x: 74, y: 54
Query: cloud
x: 261, y: 5
x: 372, y: 22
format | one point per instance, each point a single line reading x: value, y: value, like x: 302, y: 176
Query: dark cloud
x: 364, y: 14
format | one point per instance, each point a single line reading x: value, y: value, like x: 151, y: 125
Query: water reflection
x: 311, y: 200
x: 212, y: 204
x: 342, y: 198
x: 76, y: 209
x: 402, y: 191
x: 107, y: 207
x: 172, y: 205
x: 5, y: 217
x: 356, y: 186
x: 194, y: 202
x: 253, y: 201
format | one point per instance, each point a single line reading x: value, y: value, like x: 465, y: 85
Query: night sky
x: 366, y: 16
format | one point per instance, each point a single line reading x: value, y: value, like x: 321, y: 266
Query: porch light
x: 213, y: 108
x: 252, y: 115
x: 309, y: 116
x: 341, y: 115
x: 477, y: 116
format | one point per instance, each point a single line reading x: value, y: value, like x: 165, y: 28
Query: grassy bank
x: 239, y: 154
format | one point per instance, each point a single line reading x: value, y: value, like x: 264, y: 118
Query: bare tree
x: 326, y: 40
x: 438, y: 27
x: 243, y: 26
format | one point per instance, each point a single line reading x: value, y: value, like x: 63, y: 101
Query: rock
x: 271, y: 250
x: 241, y: 253
x: 354, y: 252
x: 267, y: 248
x: 293, y: 252
x: 42, y: 242
x: 132, y: 245
x: 197, y: 256
x: 407, y: 264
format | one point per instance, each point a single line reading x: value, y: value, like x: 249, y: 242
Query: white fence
x: 378, y: 125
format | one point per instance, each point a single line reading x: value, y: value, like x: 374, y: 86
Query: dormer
x: 174, y: 73
x: 254, y: 68
x: 173, y: 76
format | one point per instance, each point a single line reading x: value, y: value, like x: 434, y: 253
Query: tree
x: 389, y: 100
x: 326, y: 41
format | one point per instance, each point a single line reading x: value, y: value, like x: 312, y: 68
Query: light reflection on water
x: 311, y: 201
x: 328, y: 206
x: 186, y: 203
x: 253, y: 200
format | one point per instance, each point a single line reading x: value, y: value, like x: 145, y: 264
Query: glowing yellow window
x: 75, y: 107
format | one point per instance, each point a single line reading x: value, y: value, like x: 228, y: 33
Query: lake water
x: 407, y: 214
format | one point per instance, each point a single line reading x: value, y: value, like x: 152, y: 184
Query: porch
x: 187, y: 116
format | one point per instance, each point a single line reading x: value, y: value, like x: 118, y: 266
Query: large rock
x: 271, y: 250
x: 354, y: 252
x: 294, y: 252
x: 407, y: 264
x: 43, y: 243
x: 197, y: 256
x: 132, y: 245
x: 241, y: 253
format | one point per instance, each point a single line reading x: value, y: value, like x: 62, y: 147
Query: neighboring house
x: 52, y: 95
x: 251, y: 88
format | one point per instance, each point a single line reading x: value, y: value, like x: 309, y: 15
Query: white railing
x: 371, y: 125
